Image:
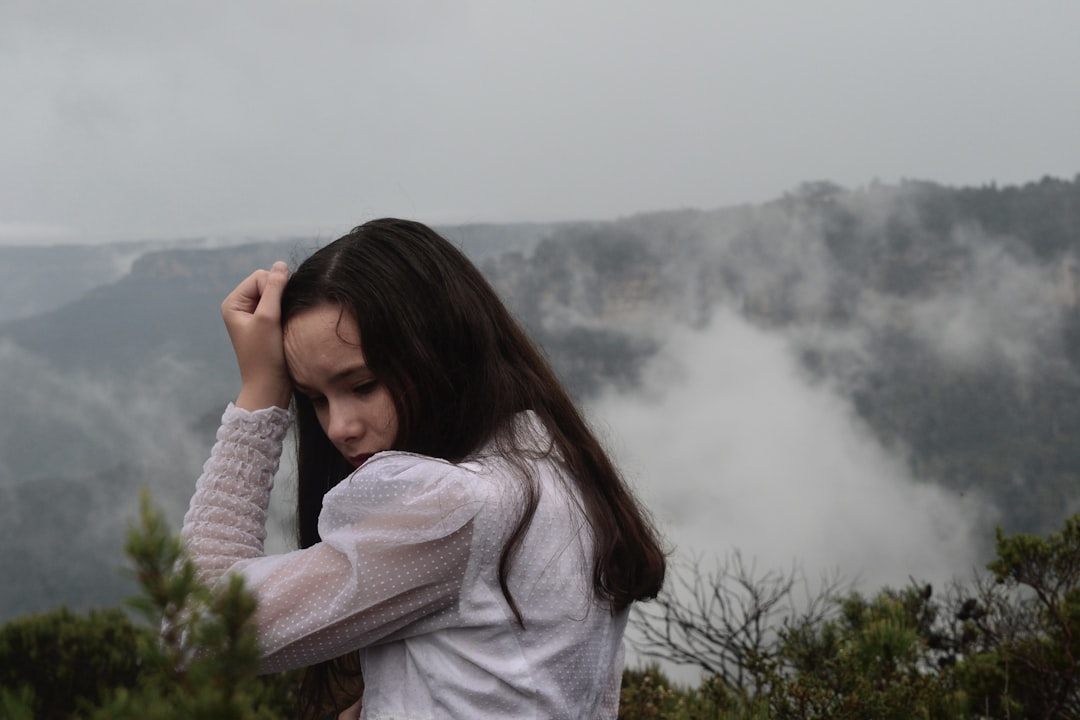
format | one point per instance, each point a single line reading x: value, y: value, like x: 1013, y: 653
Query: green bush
x: 58, y: 661
x: 648, y: 694
x: 1007, y: 646
x: 196, y: 658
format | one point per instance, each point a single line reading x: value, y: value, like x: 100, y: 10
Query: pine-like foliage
x: 198, y: 657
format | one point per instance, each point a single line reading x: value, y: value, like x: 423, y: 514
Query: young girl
x: 463, y: 535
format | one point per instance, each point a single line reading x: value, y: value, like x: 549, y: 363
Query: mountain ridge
x: 947, y: 317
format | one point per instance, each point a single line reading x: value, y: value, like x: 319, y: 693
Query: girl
x: 464, y: 538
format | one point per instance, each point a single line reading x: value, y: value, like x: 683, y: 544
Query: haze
x: 126, y: 120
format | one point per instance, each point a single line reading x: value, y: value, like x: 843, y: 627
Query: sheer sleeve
x: 396, y: 537
x: 226, y: 520
x: 609, y: 702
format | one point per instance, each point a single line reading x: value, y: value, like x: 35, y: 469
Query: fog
x: 739, y: 444
x: 1005, y: 308
x: 265, y: 117
x: 735, y: 448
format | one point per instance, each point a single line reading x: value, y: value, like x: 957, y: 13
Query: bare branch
x: 728, y: 620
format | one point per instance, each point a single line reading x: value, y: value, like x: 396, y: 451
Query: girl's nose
x: 343, y: 426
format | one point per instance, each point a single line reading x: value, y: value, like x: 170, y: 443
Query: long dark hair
x: 437, y: 336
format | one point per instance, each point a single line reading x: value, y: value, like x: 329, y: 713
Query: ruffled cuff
x: 270, y: 423
x: 226, y: 520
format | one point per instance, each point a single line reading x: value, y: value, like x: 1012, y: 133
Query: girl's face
x: 355, y: 410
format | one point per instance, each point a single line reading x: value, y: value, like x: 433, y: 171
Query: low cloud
x: 734, y: 448
x: 996, y: 307
x: 74, y: 451
x: 16, y: 233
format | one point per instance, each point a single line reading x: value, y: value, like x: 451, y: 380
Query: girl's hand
x: 252, y: 314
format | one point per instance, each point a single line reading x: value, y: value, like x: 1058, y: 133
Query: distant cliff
x: 947, y: 317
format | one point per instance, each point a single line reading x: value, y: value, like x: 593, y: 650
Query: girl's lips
x: 358, y: 460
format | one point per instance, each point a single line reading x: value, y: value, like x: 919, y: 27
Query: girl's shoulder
x: 406, y: 489
x: 396, y: 483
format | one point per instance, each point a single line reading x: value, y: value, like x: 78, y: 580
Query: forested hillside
x: 947, y: 317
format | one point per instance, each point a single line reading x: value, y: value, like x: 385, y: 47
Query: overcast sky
x: 136, y: 119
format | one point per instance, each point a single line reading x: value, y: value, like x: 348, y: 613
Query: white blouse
x: 407, y: 572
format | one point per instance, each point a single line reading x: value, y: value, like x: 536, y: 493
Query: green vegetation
x: 196, y: 657
x: 1007, y: 645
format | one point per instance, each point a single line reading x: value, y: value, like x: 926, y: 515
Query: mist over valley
x: 862, y: 380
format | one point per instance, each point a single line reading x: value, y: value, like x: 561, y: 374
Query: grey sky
x: 162, y: 119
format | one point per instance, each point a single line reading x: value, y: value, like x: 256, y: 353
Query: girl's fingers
x: 258, y: 292
x: 272, y: 286
x: 245, y: 297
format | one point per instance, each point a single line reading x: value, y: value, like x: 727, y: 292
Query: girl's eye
x: 365, y: 388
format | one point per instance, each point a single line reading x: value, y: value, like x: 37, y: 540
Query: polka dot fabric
x: 407, y: 572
